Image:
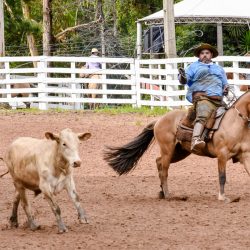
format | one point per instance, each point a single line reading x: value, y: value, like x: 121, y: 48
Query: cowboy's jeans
x: 204, y: 109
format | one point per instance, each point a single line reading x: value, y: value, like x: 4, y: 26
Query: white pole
x: 139, y: 40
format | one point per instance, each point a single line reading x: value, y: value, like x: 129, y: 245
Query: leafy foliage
x: 120, y: 18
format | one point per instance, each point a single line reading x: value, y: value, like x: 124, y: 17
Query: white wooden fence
x: 123, y: 81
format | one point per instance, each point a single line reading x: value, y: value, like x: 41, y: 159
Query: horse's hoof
x: 227, y: 200
x: 161, y: 195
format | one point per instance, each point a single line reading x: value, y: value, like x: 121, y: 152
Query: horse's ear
x: 84, y: 136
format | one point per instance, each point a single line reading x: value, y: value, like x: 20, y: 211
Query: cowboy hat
x: 207, y: 46
x: 94, y: 50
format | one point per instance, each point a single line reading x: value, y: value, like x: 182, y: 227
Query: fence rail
x: 56, y: 82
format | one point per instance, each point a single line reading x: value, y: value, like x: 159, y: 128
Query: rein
x: 245, y: 118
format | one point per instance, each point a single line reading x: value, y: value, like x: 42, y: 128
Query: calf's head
x: 68, y: 145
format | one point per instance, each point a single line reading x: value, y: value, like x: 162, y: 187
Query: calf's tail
x: 125, y: 158
x: 1, y: 158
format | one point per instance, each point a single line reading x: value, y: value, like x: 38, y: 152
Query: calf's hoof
x: 13, y: 222
x: 84, y: 220
x: 34, y: 227
x: 62, y: 230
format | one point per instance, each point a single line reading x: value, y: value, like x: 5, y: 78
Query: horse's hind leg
x: 159, y: 167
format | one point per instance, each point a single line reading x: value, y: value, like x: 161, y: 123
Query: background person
x: 96, y: 75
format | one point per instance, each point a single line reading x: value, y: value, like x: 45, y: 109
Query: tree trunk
x: 30, y: 37
x: 100, y: 16
x: 114, y: 19
x: 47, y: 27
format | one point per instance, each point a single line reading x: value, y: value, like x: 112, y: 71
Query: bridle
x: 245, y: 118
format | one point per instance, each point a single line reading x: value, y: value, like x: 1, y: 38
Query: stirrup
x: 197, y: 144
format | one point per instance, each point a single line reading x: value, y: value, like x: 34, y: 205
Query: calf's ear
x: 52, y: 136
x: 84, y: 136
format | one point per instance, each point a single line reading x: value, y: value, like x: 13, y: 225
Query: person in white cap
x: 207, y: 83
x: 94, y: 65
x: 96, y: 75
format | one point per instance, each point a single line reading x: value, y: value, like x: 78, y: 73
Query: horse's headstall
x: 245, y: 118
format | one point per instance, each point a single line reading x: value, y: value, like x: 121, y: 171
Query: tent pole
x: 220, y: 40
x: 169, y: 29
x: 139, y: 40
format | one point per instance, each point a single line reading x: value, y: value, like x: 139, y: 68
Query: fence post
x: 137, y: 83
x: 74, y: 86
x: 236, y: 77
x: 133, y: 83
x: 162, y: 98
x: 169, y: 78
x: 7, y: 77
x: 42, y: 75
x: 104, y: 85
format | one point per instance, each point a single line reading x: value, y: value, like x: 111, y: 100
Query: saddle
x: 186, y: 126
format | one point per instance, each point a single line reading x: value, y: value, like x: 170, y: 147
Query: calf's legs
x: 13, y: 217
x: 70, y: 187
x: 26, y: 208
x: 21, y: 196
x: 57, y: 212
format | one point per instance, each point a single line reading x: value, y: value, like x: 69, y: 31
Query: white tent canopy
x: 202, y: 11
x: 212, y: 11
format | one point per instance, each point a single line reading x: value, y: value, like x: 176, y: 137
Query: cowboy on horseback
x: 207, y: 83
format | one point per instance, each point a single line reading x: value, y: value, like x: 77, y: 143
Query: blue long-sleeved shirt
x: 210, y: 78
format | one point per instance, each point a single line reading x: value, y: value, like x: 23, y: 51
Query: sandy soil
x: 125, y: 212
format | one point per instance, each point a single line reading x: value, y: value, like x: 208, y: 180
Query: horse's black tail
x: 125, y: 158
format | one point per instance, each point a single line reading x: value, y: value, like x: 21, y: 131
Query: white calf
x: 45, y: 165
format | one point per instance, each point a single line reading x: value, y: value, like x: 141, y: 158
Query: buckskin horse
x: 230, y: 141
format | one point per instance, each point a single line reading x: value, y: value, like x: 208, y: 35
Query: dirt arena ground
x: 125, y: 212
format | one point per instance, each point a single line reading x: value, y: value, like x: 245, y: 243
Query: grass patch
x: 156, y: 111
x: 126, y: 109
x: 33, y: 110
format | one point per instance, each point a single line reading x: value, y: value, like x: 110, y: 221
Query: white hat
x: 94, y: 50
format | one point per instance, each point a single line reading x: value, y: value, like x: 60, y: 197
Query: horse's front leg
x: 222, y: 179
x: 246, y: 162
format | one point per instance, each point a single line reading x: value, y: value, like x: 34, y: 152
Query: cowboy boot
x: 197, y: 143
